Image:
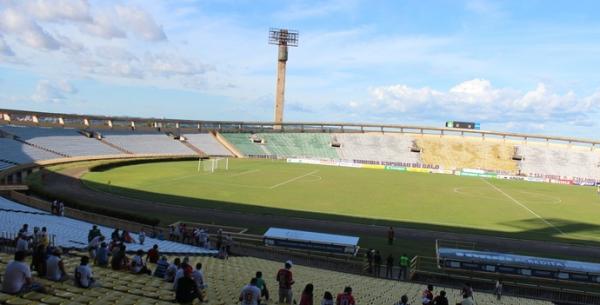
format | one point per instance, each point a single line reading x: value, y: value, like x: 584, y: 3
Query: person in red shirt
x: 285, y: 279
x: 428, y: 295
x: 345, y: 298
x: 153, y: 255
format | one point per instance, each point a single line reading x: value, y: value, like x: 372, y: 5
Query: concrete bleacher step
x: 42, y: 148
x: 194, y: 148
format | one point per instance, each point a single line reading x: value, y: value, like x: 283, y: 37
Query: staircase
x: 194, y: 148
x: 121, y: 149
x: 42, y: 148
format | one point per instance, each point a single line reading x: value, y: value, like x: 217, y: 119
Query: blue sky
x: 525, y: 66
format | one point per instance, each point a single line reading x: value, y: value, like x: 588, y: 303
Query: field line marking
x: 293, y: 179
x: 523, y: 206
x: 246, y: 172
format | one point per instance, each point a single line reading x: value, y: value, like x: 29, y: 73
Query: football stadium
x: 142, y: 190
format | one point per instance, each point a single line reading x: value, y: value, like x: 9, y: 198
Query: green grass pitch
x: 466, y: 204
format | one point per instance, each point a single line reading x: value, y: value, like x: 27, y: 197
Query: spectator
x: 142, y: 236
x: 403, y: 300
x: 377, y: 261
x: 35, y: 237
x: 102, y: 255
x: 198, y: 277
x: 219, y: 238
x: 119, y: 260
x: 250, y: 294
x: 262, y: 285
x: 327, y: 298
x: 93, y: 233
x: 126, y: 237
x: 390, y: 236
x: 285, y: 280
x: 441, y: 299
x: 38, y: 260
x: 137, y: 264
x: 94, y: 244
x: 468, y: 290
x: 404, y: 261
x: 389, y: 266
x: 24, y: 230
x: 55, y: 268
x: 161, y: 267
x: 307, y: 295
x: 427, y: 295
x: 153, y: 255
x: 83, y: 274
x: 345, y: 298
x: 43, y: 238
x: 180, y: 273
x: 23, y: 242
x: 55, y: 207
x: 17, y: 277
x: 172, y: 270
x: 115, y: 236
x: 498, y: 289
x: 370, y: 260
x: 186, y: 290
x: 467, y: 300
x: 61, y: 208
x: 228, y: 244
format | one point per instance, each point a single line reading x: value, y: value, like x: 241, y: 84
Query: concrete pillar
x: 280, y: 89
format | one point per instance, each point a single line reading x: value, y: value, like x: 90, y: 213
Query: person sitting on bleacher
x: 328, y: 299
x: 250, y: 294
x: 161, y: 267
x: 102, y: 255
x: 198, y: 277
x: 172, y: 270
x: 262, y: 285
x: 153, y: 255
x: 55, y: 268
x: 345, y: 298
x: 126, y: 237
x: 180, y: 273
x: 427, y: 295
x: 186, y: 290
x: 119, y: 260
x: 467, y: 300
x: 17, y: 277
x: 403, y: 300
x: 441, y: 299
x: 84, y: 277
x: 137, y: 264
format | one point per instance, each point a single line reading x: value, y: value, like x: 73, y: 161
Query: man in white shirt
x: 137, y: 264
x: 94, y: 245
x: 23, y: 243
x: 84, y: 277
x: 172, y: 270
x: 198, y: 277
x: 17, y: 276
x: 250, y: 294
x: 180, y: 273
x: 55, y: 269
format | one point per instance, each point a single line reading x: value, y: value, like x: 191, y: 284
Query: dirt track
x: 69, y: 184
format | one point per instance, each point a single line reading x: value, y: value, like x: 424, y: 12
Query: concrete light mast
x: 284, y: 38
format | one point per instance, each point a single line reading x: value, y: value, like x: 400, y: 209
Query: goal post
x: 212, y: 165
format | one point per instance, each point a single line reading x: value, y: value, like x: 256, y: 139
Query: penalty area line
x: 523, y: 206
x: 293, y: 179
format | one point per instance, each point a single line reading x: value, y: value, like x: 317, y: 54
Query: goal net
x: 212, y: 165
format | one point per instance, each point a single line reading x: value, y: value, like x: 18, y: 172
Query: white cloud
x: 478, y: 100
x: 26, y: 30
x: 166, y: 65
x: 47, y: 91
x: 140, y: 23
x: 58, y: 10
x: 103, y: 26
x: 5, y: 49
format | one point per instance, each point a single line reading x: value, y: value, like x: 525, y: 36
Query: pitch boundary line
x: 523, y: 206
x: 293, y: 179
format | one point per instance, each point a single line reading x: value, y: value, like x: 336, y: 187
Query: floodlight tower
x: 284, y: 38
